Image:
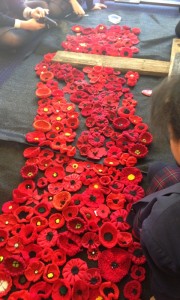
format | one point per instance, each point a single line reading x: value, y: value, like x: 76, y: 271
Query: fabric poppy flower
x: 93, y: 278
x: 108, y: 235
x: 138, y: 150
x: 70, y: 212
x: 42, y: 125
x: 21, y: 282
x: 51, y: 273
x: 28, y: 234
x: 34, y: 270
x: 59, y: 257
x: 75, y: 269
x: 103, y: 211
x: 88, y: 213
x: 131, y: 175
x: 137, y: 255
x: 109, y: 290
x: 14, y: 265
x: 3, y: 237
x: 135, y: 119
x: 30, y: 152
x: 31, y: 251
x: 72, y: 183
x: 54, y: 188
x: 146, y: 138
x: 23, y: 214
x: 69, y: 242
x: 7, y: 221
x: 61, y: 200
x: 29, y: 171
x: 23, y: 294
x: 43, y: 209
x: 61, y: 289
x: 41, y: 290
x: 9, y: 206
x: 88, y: 176
x: 46, y: 254
x: 132, y: 290
x: 56, y: 221
x: 116, y: 186
x: 115, y: 201
x: 76, y: 225
x: 80, y: 290
x: 14, y: 244
x: 121, y: 123
x: 138, y: 272
x: 35, y: 137
x: 133, y: 193
x: 96, y: 153
x: 119, y: 217
x: 75, y: 167
x: 77, y: 200
x: 128, y: 160
x: 93, y: 254
x: 27, y: 187
x: 39, y: 223
x: 43, y: 92
x: 92, y: 197
x: 54, y: 174
x: 47, y: 237
x: 6, y: 283
x: 90, y: 240
x: 141, y: 127
x: 111, y: 161
x: 114, y: 264
x: 125, y: 239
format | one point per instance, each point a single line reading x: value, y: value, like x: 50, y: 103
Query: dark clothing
x: 156, y: 222
x: 177, y: 30
x: 9, y: 9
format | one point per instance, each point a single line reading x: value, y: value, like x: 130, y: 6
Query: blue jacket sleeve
x: 16, y: 8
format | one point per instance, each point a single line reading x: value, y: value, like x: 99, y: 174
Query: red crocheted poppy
x: 105, y: 180
x: 132, y: 290
x: 128, y: 160
x: 56, y: 221
x: 111, y: 162
x: 43, y: 209
x: 61, y: 289
x: 6, y: 283
x: 76, y: 225
x: 125, y: 112
x: 115, y: 201
x: 146, y: 138
x: 43, y: 92
x: 137, y: 255
x: 31, y: 251
x: 141, y: 127
x: 35, y: 137
x: 23, y: 214
x: 125, y: 239
x: 46, y: 254
x: 114, y: 152
x: 39, y: 223
x: 42, y: 125
x: 102, y: 211
x: 121, y: 123
x: 93, y: 278
x: 114, y: 264
x: 46, y: 76
x: 21, y: 282
x: 34, y: 270
x: 27, y: 186
x: 47, y: 237
x: 51, y: 273
x: 93, y: 254
x: 3, y: 237
x: 61, y: 200
x: 80, y: 290
x: 109, y: 290
x: 75, y: 167
x: 138, y: 273
x: 29, y: 171
x: 90, y: 240
x: 131, y: 175
x: 31, y: 152
x: 9, y: 206
x: 7, y: 221
x: 57, y: 127
x: 54, y: 188
x: 23, y: 294
x: 69, y: 242
x: 96, y: 153
x: 54, y: 174
x: 116, y: 186
x: 92, y: 197
x: 133, y: 193
x: 88, y: 176
x: 77, y: 200
x: 108, y: 235
x: 88, y: 213
x: 28, y: 234
x: 72, y: 183
x: 14, y: 265
x: 70, y: 212
x: 41, y: 290
x: 74, y: 270
x: 59, y: 257
x: 138, y: 150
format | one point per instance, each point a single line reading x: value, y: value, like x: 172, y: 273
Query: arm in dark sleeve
x: 16, y: 6
x: 6, y: 21
x: 89, y: 4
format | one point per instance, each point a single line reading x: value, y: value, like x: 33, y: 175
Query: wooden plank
x: 174, y: 50
x: 143, y: 66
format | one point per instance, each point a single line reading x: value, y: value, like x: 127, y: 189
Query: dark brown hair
x: 165, y: 108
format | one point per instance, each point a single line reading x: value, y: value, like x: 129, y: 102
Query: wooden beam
x: 174, y: 60
x: 143, y: 66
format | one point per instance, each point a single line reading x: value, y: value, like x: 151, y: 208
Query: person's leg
x: 161, y: 175
x: 177, y: 29
x: 11, y: 38
x: 59, y: 8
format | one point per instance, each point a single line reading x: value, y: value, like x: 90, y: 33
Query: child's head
x: 165, y: 113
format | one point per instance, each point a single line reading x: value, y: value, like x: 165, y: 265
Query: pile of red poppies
x: 64, y: 234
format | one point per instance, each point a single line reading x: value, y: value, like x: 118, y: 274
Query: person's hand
x: 77, y: 8
x: 99, y: 6
x: 39, y: 12
x: 152, y: 298
x: 31, y: 25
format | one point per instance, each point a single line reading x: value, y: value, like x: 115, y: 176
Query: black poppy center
x: 41, y: 209
x: 92, y: 198
x: 63, y: 290
x: 75, y: 270
x: 32, y: 254
x: 90, y: 242
x: 138, y: 273
x: 108, y: 236
x: 23, y: 215
x: 94, y: 280
x: 1, y: 238
x: 22, y: 279
x: 133, y: 193
x: 114, y: 265
x: 134, y: 292
x: 138, y: 252
x: 49, y: 236
x: 120, y: 219
x: 77, y: 202
x: 108, y: 291
x: 73, y: 182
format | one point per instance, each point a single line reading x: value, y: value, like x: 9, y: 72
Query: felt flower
x: 109, y: 290
x: 54, y: 174
x: 146, y: 138
x: 130, y: 175
x: 51, y: 273
x: 23, y: 294
x: 118, y: 218
x: 93, y: 278
x: 125, y: 239
x: 93, y: 254
x: 56, y: 221
x: 34, y: 270
x: 132, y: 290
x: 40, y: 289
x: 114, y: 264
x: 76, y: 225
x: 138, y: 272
x: 138, y: 150
x: 80, y: 290
x: 21, y: 282
x: 61, y: 200
x: 9, y: 206
x: 14, y: 244
x: 59, y: 257
x: 14, y: 265
x: 61, y: 289
x: 28, y: 234
x: 75, y: 269
x: 72, y: 183
x: 39, y: 222
x: 133, y: 193
x: 90, y: 240
x: 115, y: 201
x: 93, y: 198
x: 108, y: 235
x: 47, y: 237
x: 23, y: 214
x: 69, y: 242
x: 3, y: 237
x: 75, y: 167
x: 88, y: 176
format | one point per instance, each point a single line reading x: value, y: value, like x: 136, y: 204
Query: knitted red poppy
x: 6, y: 283
x: 138, y: 273
x: 69, y: 242
x: 14, y: 265
x: 93, y: 278
x: 47, y: 237
x: 23, y: 294
x: 132, y: 290
x: 109, y: 290
x: 51, y: 273
x: 74, y: 270
x: 80, y: 290
x: 34, y: 270
x: 133, y: 193
x: 41, y: 290
x: 90, y: 240
x: 108, y: 235
x: 56, y: 221
x: 61, y: 289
